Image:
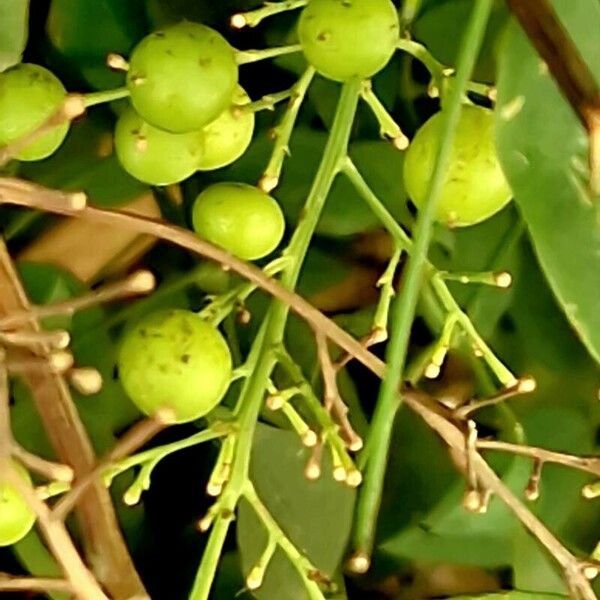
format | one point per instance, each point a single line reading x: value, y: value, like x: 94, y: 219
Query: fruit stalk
x: 403, y: 309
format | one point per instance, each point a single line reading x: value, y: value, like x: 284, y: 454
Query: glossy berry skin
x: 240, y: 218
x: 183, y: 77
x: 475, y: 186
x: 343, y: 39
x: 229, y: 135
x: 173, y: 359
x: 30, y: 94
x: 16, y: 518
x: 155, y: 156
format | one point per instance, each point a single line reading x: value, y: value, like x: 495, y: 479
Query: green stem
x: 410, y: 10
x: 263, y: 354
x: 253, y: 17
x: 403, y: 309
x: 104, y: 96
x: 243, y: 57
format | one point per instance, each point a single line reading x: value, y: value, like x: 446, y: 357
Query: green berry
x: 155, y: 156
x: 343, y: 39
x: 16, y: 517
x: 29, y: 95
x: 475, y: 187
x: 229, y: 135
x: 240, y: 218
x: 183, y: 77
x: 173, y: 359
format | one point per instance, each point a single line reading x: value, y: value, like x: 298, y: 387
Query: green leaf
x: 316, y: 516
x: 543, y: 150
x: 14, y: 16
x: 83, y: 32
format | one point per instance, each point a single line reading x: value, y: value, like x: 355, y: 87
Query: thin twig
x: 100, y: 530
x: 589, y: 464
x: 48, y: 469
x: 333, y: 401
x: 15, y: 583
x: 455, y: 438
x: 572, y: 74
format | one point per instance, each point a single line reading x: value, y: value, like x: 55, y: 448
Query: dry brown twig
x: 332, y: 399
x: 438, y: 418
x: 14, y: 583
x: 103, y: 542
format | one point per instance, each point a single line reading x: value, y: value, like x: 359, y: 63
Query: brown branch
x: 83, y: 583
x: 186, y: 239
x: 334, y: 404
x: 573, y: 76
x: 589, y: 464
x: 573, y: 568
x: 14, y: 583
x: 103, y: 542
x: 140, y: 282
x: 438, y: 418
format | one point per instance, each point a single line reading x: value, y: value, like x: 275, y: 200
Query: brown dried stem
x: 14, y: 583
x: 439, y: 419
x: 572, y: 74
x: 333, y: 401
x: 99, y: 527
x: 572, y: 567
x: 589, y: 464
x: 48, y: 469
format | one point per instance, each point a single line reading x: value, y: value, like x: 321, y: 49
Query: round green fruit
x: 173, y: 359
x: 343, y: 39
x: 475, y: 187
x: 183, y: 77
x: 240, y: 218
x: 29, y: 95
x: 16, y: 518
x: 155, y: 156
x: 229, y: 135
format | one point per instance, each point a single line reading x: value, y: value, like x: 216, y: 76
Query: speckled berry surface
x: 16, y: 518
x: 173, y: 359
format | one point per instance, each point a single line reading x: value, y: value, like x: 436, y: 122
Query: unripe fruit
x: 155, y: 156
x: 475, y: 186
x: 173, y: 359
x: 16, y: 517
x: 349, y: 38
x: 229, y: 135
x: 183, y: 77
x: 29, y: 95
x: 240, y: 218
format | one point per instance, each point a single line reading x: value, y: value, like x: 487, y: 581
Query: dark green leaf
x: 83, y: 32
x: 543, y: 149
x: 316, y: 516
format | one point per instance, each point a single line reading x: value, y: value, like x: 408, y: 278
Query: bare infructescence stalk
x: 80, y: 481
